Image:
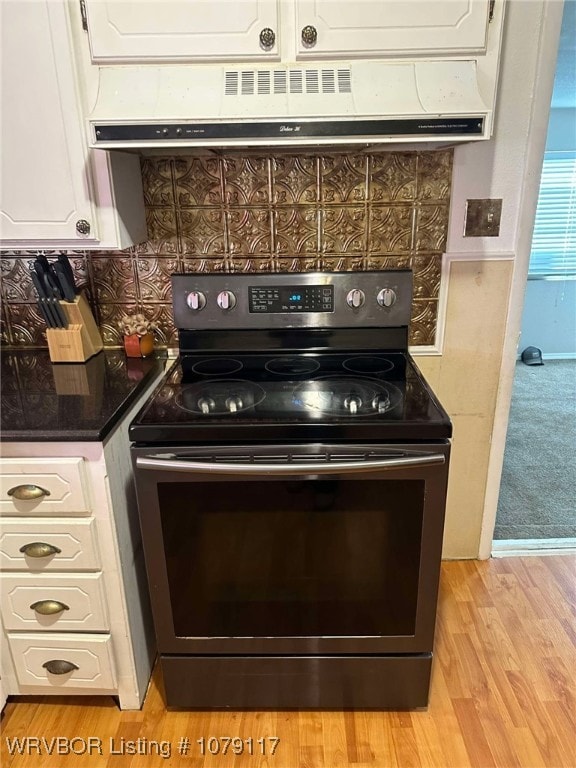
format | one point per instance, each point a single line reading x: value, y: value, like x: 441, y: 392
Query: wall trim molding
x: 533, y: 547
x: 480, y: 256
x: 552, y: 356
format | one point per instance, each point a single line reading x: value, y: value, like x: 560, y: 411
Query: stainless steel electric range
x: 291, y: 472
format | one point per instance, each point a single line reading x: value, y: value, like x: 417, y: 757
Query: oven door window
x: 293, y: 558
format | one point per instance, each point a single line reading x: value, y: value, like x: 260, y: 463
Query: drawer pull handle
x: 49, y: 607
x: 39, y: 549
x: 59, y: 666
x: 28, y: 492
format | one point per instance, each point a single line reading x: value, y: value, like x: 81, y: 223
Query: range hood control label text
x: 320, y: 129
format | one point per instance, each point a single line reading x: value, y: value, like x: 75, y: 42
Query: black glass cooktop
x: 304, y: 396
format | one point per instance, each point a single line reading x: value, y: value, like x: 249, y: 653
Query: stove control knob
x: 381, y: 403
x: 234, y: 404
x: 352, y: 404
x: 206, y: 404
x: 355, y: 298
x: 196, y: 300
x: 226, y: 300
x: 386, y: 297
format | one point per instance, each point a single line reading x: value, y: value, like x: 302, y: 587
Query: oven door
x: 293, y: 549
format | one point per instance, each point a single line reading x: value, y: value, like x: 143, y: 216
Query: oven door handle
x: 289, y: 468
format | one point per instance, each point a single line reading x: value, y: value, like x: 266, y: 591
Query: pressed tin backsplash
x: 265, y: 212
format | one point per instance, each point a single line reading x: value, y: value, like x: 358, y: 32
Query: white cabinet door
x: 62, y: 661
x: 390, y: 27
x: 54, y: 191
x: 175, y: 31
x: 45, y: 191
x: 43, y: 486
x: 56, y: 602
x: 57, y: 544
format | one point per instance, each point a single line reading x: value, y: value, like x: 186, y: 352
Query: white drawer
x: 63, y: 480
x: 81, y: 594
x: 73, y: 543
x: 91, y: 655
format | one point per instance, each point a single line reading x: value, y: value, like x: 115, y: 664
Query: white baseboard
x: 526, y: 547
x: 553, y: 356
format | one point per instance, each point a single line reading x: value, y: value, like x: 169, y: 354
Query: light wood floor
x: 502, y: 694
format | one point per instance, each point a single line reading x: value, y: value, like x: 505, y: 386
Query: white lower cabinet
x: 43, y: 487
x: 64, y: 661
x: 55, y: 602
x: 73, y: 597
x: 48, y: 545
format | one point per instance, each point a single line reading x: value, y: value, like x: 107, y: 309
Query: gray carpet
x: 538, y: 491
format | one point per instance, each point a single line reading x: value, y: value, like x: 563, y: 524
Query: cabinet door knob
x: 39, y: 549
x: 28, y: 492
x: 309, y: 35
x: 267, y: 38
x: 83, y: 227
x: 59, y: 666
x: 49, y: 607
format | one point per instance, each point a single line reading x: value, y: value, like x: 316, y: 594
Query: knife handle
x: 43, y: 300
x: 58, y: 312
x: 64, y: 262
x: 44, y: 312
x: 62, y: 277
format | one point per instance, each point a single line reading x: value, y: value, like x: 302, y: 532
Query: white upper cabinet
x: 380, y: 28
x: 53, y: 190
x: 175, y: 31
x: 235, y: 30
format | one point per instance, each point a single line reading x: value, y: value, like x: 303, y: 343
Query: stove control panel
x: 292, y: 300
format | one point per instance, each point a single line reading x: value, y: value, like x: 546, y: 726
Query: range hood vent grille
x: 270, y: 82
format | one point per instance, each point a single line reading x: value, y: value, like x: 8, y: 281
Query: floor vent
x: 269, y: 82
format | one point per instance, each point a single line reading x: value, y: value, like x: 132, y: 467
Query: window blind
x: 554, y: 240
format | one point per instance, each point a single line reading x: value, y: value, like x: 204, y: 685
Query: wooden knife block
x: 81, y: 340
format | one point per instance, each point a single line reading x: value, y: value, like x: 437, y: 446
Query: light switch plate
x: 482, y: 218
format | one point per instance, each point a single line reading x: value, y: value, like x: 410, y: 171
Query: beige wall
x: 466, y: 378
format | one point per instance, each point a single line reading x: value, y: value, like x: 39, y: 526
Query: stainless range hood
x: 364, y: 102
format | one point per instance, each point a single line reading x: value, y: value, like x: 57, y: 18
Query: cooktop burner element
x: 292, y: 365
x: 367, y: 364
x: 217, y: 366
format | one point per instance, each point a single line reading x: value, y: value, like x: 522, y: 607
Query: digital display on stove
x: 300, y: 298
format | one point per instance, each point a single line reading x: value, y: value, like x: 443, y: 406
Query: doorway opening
x: 536, y: 508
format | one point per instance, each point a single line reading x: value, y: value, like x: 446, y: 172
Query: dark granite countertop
x: 42, y: 401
